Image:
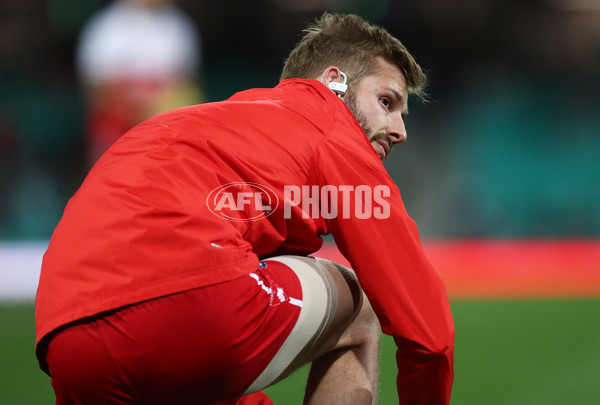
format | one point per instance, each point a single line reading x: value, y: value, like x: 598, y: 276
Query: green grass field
x: 526, y: 352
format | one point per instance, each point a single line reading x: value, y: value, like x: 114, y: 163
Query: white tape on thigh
x: 319, y: 303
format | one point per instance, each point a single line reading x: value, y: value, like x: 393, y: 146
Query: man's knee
x: 335, y: 315
x: 367, y: 323
x: 350, y: 296
x: 355, y: 321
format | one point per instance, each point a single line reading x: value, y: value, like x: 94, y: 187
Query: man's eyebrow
x: 400, y: 99
x: 397, y: 94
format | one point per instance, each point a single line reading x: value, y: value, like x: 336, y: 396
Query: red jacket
x: 148, y: 220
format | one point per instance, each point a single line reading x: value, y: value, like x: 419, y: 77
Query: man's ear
x: 335, y: 79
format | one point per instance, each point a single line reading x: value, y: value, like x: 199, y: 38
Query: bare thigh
x: 334, y: 308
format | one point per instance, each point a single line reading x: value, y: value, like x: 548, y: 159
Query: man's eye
x: 385, y: 102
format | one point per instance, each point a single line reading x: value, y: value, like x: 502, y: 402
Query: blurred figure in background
x: 135, y: 58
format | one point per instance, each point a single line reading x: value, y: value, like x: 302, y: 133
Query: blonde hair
x: 353, y: 45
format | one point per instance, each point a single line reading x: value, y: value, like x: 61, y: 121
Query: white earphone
x: 339, y: 88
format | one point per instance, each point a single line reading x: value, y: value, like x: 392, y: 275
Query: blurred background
x: 508, y: 148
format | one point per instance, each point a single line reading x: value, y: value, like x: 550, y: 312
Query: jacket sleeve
x: 385, y: 251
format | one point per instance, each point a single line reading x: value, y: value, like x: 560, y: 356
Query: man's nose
x: 397, y: 130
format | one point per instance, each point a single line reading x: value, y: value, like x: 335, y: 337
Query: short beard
x: 351, y: 103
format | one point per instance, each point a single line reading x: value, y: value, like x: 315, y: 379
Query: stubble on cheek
x: 361, y: 118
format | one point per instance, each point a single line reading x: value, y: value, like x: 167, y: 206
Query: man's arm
x: 410, y: 302
x: 385, y: 251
